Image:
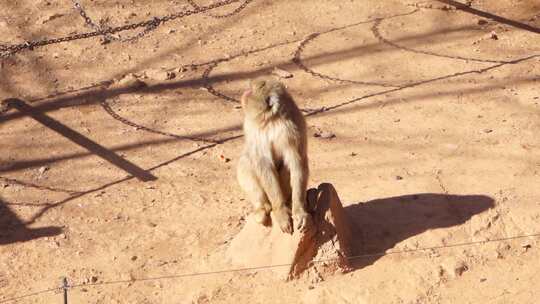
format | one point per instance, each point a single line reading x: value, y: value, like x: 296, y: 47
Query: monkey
x: 273, y: 167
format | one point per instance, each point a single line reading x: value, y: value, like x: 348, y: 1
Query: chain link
x: 297, y: 59
x: 107, y: 107
x: 234, y: 12
x: 154, y: 22
x: 208, y: 86
x: 108, y: 38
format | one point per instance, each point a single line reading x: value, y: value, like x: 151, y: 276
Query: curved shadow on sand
x: 13, y: 230
x: 380, y: 224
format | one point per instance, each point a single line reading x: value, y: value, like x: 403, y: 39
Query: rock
x: 159, y: 75
x: 455, y: 267
x: 322, y: 251
x: 223, y: 158
x: 282, y: 73
x: 129, y: 81
x: 43, y: 169
x: 324, y: 134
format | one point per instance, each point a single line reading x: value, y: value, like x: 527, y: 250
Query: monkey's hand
x: 302, y: 221
x: 283, y: 219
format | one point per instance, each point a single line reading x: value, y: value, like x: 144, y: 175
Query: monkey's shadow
x: 380, y: 224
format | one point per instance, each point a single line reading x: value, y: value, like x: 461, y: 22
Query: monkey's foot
x: 261, y: 216
x: 283, y: 219
x: 303, y: 221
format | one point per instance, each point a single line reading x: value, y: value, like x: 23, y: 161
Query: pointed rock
x: 323, y: 250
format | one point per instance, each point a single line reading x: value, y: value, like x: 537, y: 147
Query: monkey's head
x: 264, y: 97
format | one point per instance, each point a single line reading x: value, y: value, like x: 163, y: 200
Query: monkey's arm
x: 298, y: 167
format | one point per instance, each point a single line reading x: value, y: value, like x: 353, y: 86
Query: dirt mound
x: 323, y: 249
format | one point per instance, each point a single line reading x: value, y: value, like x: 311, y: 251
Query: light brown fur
x: 273, y: 169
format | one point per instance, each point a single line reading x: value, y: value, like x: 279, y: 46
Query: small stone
x: 282, y: 73
x: 460, y: 268
x: 43, y: 169
x: 487, y: 130
x: 223, y: 158
x: 130, y: 81
x: 353, y: 154
x: 134, y: 258
x: 324, y: 134
x: 159, y: 75
x: 494, y: 36
x: 398, y: 177
x: 93, y: 279
x: 526, y: 247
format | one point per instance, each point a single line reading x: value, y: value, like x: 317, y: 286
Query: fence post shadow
x: 81, y: 140
x: 380, y: 224
x: 13, y: 229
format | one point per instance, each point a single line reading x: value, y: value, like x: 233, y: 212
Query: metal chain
x: 298, y: 61
x: 107, y: 107
x: 156, y: 21
x: 234, y: 12
x: 376, y: 32
x: 208, y: 86
x: 108, y: 38
x: 438, y: 6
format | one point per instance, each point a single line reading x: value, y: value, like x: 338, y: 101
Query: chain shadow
x: 13, y: 230
x: 381, y: 224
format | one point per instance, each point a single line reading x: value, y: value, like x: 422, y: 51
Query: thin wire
x: 264, y: 267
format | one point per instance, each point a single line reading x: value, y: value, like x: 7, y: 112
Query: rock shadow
x: 13, y: 230
x: 378, y: 225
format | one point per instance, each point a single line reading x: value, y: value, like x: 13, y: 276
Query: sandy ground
x: 435, y: 114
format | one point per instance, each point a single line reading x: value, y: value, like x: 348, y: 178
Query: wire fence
x: 64, y: 287
x: 108, y: 35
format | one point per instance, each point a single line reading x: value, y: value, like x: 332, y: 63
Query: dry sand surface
x: 117, y: 160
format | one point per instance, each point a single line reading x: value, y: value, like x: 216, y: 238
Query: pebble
x: 223, y: 158
x: 128, y: 81
x: 43, y: 169
x: 159, y: 75
x: 324, y: 134
x: 282, y: 73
